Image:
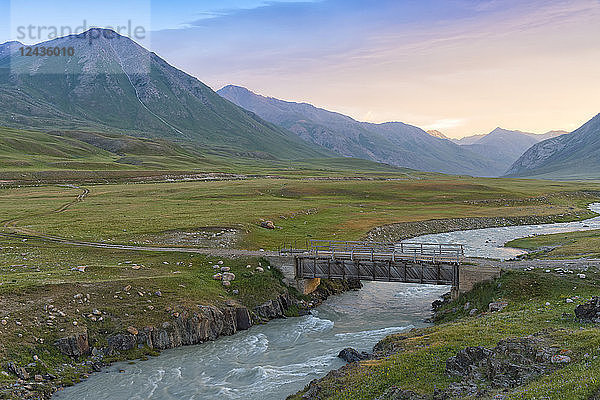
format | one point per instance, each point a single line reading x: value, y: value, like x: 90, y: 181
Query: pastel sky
x: 460, y: 66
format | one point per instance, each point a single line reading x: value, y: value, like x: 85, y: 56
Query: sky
x: 459, y: 66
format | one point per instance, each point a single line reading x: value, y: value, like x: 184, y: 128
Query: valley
x: 154, y: 231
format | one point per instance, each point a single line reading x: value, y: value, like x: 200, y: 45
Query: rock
x: 38, y: 378
x: 267, y: 224
x: 127, y: 288
x: 351, y: 355
x: 75, y: 346
x: 121, y: 342
x: 17, y: 370
x: 132, y: 330
x: 260, y: 269
x: 467, y: 306
x: 273, y: 308
x: 228, y: 276
x: 589, y: 312
x: 218, y: 277
x: 96, y: 312
x: 497, y: 306
x: 560, y: 359
x: 569, y: 300
x: 158, y: 293
x: 4, y: 322
x: 225, y: 269
x: 513, y: 362
x: 226, y: 283
x: 395, y: 393
x: 473, y: 312
x: 581, y: 276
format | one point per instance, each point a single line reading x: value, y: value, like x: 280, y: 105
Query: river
x: 272, y: 361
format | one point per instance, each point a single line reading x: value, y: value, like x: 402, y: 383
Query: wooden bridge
x: 424, y: 263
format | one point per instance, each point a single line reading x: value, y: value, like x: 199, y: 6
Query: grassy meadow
x: 344, y: 209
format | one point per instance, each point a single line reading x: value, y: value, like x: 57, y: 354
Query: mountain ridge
x: 112, y: 84
x: 395, y: 143
x: 567, y: 156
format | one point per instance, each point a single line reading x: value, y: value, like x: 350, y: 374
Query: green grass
x: 419, y: 363
x: 561, y: 245
x: 301, y: 209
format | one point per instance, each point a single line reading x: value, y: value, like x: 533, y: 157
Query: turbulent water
x: 269, y: 361
x: 489, y: 242
x: 272, y: 361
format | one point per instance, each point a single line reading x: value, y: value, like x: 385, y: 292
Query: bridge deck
x: 402, y: 262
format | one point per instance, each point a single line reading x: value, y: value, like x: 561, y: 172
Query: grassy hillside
x: 79, y: 150
x: 111, y: 84
x: 536, y: 306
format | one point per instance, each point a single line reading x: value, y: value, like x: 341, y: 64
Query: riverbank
x: 68, y: 312
x: 407, y: 230
x: 522, y: 326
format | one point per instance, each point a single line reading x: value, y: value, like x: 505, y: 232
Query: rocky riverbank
x: 407, y: 230
x: 91, y: 351
x: 533, y: 333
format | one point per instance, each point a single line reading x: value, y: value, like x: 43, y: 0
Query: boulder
x: 590, y: 311
x: 351, y: 355
x: 75, y: 345
x: 497, y: 306
x: 228, y: 276
x: 513, y: 362
x: 17, y: 370
x: 267, y: 224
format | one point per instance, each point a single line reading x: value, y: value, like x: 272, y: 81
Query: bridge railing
x: 416, y: 251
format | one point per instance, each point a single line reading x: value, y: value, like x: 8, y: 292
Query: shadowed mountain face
x: 503, y: 147
x: 114, y: 85
x: 393, y: 143
x: 576, y: 155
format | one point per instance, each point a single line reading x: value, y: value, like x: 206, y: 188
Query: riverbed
x: 275, y: 360
x: 489, y: 242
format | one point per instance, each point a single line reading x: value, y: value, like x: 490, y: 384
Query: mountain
x: 393, y: 143
x: 437, y: 134
x: 468, y: 139
x: 576, y: 155
x: 503, y: 147
x: 112, y: 84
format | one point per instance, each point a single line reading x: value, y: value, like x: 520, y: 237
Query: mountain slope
x: 503, y: 147
x: 393, y: 143
x: 437, y: 134
x: 576, y: 155
x: 112, y: 84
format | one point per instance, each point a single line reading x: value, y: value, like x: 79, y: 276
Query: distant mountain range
x: 112, y: 84
x: 394, y: 143
x: 113, y: 94
x: 572, y: 156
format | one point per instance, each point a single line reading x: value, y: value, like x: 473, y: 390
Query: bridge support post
x: 290, y: 268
